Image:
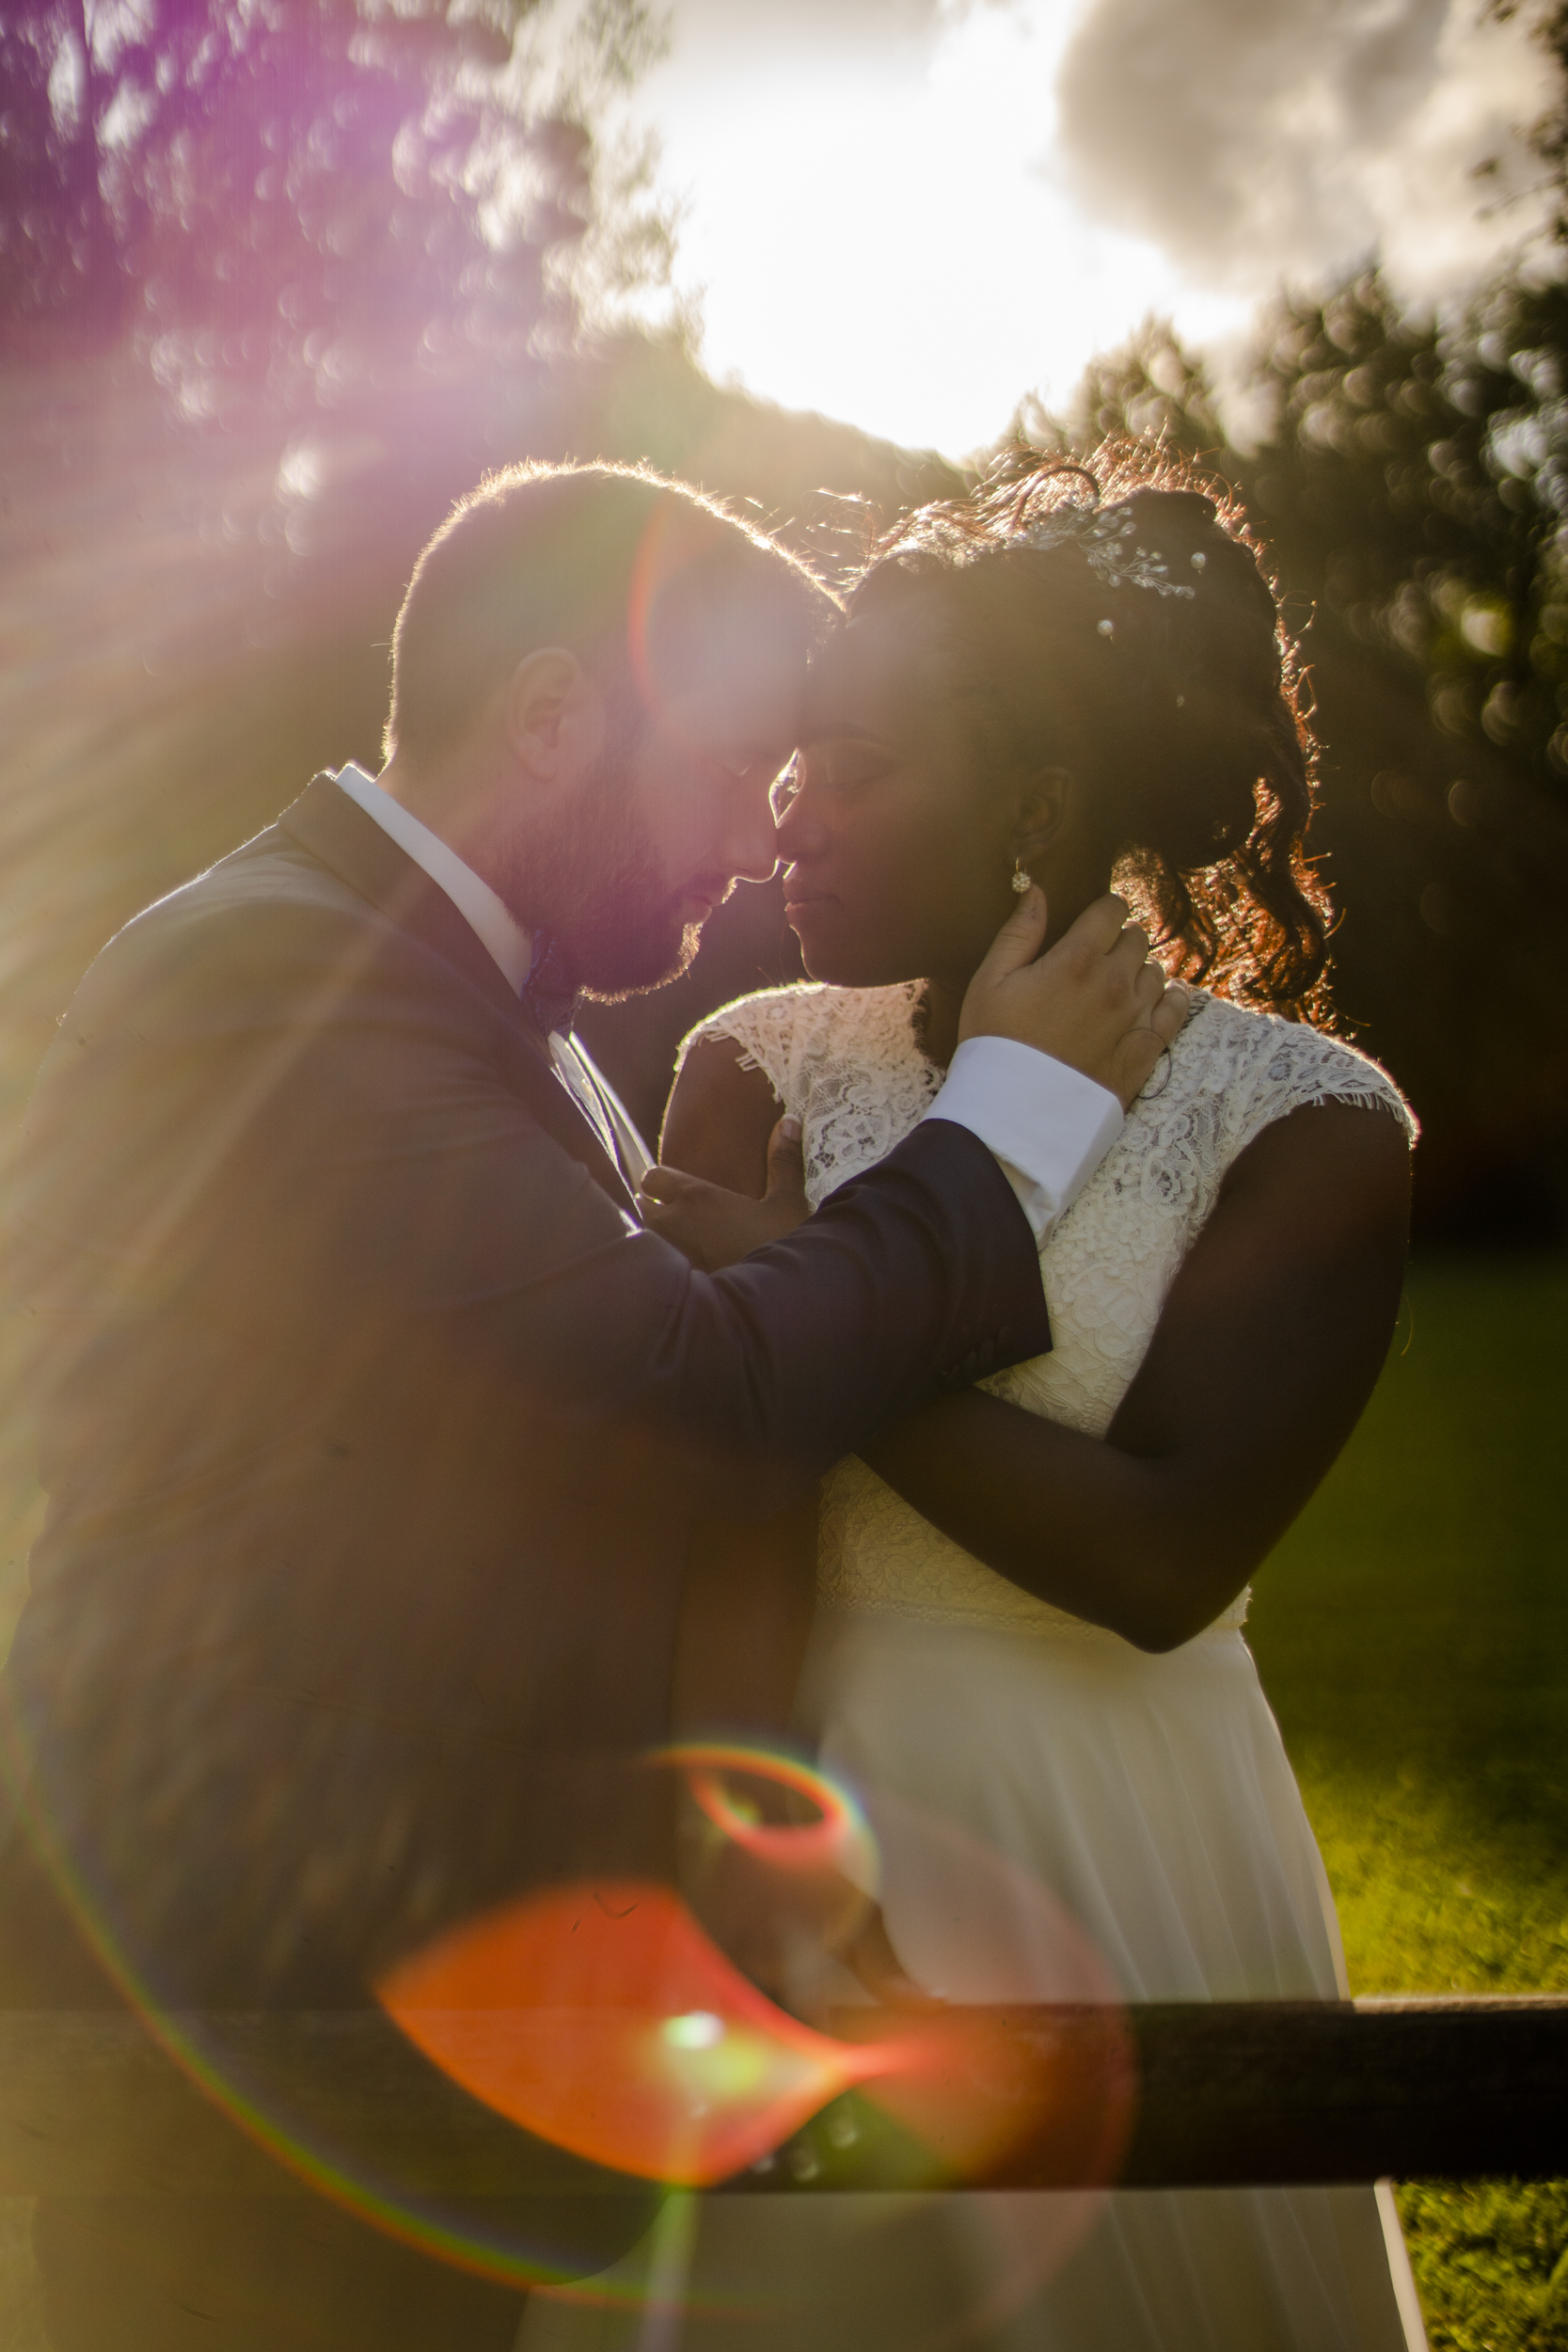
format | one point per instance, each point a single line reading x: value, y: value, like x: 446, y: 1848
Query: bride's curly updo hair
x: 1115, y: 620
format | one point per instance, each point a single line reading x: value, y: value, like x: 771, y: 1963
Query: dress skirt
x: 1012, y: 1776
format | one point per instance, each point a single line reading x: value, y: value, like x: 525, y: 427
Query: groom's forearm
x: 914, y: 1277
x: 751, y: 1585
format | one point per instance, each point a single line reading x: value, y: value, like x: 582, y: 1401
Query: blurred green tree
x: 292, y: 199
x: 1424, y: 566
x: 277, y: 279
x: 1410, y: 475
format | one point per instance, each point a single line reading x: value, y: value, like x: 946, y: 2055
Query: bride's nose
x: 801, y: 833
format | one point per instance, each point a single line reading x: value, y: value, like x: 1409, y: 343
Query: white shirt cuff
x: 1048, y: 1124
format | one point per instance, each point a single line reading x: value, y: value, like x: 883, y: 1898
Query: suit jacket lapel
x: 335, y: 831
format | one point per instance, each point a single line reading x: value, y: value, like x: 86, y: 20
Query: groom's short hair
x: 612, y: 562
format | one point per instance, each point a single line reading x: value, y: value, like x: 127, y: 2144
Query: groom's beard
x: 588, y: 877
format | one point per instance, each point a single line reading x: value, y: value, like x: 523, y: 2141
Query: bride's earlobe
x: 1045, y: 810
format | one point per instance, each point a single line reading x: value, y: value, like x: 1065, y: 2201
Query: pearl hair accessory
x: 1109, y: 545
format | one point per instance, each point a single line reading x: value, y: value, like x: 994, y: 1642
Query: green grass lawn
x: 1413, y: 1635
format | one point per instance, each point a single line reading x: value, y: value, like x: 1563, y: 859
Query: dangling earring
x: 1022, y: 882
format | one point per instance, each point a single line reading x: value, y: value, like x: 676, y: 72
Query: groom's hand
x: 1094, y: 1001
x: 715, y: 1226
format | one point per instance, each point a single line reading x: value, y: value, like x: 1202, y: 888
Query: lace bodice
x: 847, y: 1063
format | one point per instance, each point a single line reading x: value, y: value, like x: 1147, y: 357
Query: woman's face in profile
x: 897, y: 850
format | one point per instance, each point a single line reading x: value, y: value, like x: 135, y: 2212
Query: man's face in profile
x: 675, y: 811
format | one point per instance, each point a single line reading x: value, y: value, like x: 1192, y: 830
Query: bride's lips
x: 799, y: 902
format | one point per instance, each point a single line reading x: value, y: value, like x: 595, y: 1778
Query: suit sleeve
x: 324, y: 1160
x: 919, y: 1276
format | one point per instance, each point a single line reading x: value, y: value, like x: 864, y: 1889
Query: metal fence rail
x: 1229, y: 2092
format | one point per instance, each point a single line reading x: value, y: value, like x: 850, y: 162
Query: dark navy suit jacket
x: 374, y: 1425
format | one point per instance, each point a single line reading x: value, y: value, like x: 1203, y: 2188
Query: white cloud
x: 913, y: 213
x: 1256, y: 142
x: 869, y: 232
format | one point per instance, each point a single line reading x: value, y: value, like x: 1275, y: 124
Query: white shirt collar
x: 493, y: 924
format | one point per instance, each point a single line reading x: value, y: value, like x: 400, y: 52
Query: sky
x: 910, y: 214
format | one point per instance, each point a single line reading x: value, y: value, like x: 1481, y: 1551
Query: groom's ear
x: 1048, y: 806
x: 553, y: 716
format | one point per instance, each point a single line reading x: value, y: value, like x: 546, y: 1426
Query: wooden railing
x: 1227, y: 2092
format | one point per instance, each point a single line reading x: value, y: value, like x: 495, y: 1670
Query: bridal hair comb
x: 1109, y: 545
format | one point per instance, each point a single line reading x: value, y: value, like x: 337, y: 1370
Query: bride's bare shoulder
x: 730, y: 1081
x: 749, y: 1060
x: 774, y: 1025
x: 721, y: 1113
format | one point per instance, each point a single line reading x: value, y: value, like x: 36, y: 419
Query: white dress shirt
x: 1048, y: 1125
x: 492, y: 922
x: 510, y: 948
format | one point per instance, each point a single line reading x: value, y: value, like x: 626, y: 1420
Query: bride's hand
x: 869, y: 1953
x: 715, y: 1226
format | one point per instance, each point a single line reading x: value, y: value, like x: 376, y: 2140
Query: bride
x: 1030, y: 1598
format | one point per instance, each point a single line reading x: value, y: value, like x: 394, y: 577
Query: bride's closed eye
x: 837, y: 765
x: 746, y: 766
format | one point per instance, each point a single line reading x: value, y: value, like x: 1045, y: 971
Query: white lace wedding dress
x: 1150, y: 1795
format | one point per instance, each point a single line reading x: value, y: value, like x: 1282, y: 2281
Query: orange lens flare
x: 672, y: 541
x: 603, y: 2018
x: 1003, y: 2098
x: 839, y: 1839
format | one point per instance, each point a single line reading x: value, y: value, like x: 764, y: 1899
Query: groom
x: 374, y: 1425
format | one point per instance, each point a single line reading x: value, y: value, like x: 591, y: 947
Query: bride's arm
x: 1268, y: 1348
x: 729, y: 1175
x: 750, y: 1589
x: 718, y: 1118
x: 743, y: 1636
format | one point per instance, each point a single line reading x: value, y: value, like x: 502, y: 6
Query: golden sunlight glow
x: 911, y: 214
x: 882, y: 239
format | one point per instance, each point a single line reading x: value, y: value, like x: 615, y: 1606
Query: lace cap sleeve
x: 772, y: 1029
x: 1289, y: 1067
